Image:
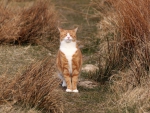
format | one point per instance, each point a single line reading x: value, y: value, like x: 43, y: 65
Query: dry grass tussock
x: 132, y: 37
x: 129, y: 39
x: 7, y: 108
x: 108, y: 57
x: 35, y: 24
x: 35, y: 88
x: 125, y: 53
x: 127, y: 98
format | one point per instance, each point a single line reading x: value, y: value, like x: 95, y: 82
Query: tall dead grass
x: 124, y: 32
x: 35, y: 88
x: 133, y: 36
x: 8, y: 31
x: 125, y: 53
x: 36, y: 24
x: 109, y: 59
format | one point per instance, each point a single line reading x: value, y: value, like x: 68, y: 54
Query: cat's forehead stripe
x: 68, y: 34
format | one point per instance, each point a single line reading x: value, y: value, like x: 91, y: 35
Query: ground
x: 72, y: 13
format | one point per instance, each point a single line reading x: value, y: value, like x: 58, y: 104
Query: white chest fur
x: 68, y: 49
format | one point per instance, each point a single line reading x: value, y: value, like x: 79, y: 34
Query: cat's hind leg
x: 63, y: 80
x: 64, y: 83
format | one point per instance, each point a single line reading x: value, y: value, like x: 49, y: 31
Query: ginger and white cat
x: 69, y: 59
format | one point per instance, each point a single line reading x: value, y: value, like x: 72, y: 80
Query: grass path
x: 73, y: 13
x: 14, y: 59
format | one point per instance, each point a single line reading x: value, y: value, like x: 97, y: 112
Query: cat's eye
x: 62, y: 35
x: 71, y: 35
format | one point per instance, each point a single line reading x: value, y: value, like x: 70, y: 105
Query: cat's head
x: 68, y: 35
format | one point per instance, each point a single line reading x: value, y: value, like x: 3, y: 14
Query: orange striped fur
x: 69, y: 59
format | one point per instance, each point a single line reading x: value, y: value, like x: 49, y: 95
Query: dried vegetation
x: 36, y: 88
x: 124, y: 52
x: 35, y: 24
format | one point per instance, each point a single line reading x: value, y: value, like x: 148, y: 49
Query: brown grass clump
x: 128, y: 95
x: 109, y: 60
x: 8, y: 28
x: 22, y: 0
x: 124, y: 32
x: 132, y: 24
x: 35, y: 88
x: 125, y: 48
x: 7, y: 108
x: 132, y: 27
x: 36, y: 24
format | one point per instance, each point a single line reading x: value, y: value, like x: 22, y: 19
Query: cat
x: 69, y: 59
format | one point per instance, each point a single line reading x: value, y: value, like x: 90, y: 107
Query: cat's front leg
x: 74, y: 84
x: 67, y: 80
x: 75, y: 75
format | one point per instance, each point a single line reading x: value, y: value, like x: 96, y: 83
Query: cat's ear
x: 76, y: 29
x: 60, y: 29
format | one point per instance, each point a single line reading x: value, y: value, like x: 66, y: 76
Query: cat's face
x: 67, y: 35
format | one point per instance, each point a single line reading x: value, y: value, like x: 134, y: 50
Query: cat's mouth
x: 68, y: 40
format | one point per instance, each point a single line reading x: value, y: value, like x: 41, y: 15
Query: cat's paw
x: 68, y: 90
x: 75, y: 91
x: 64, y: 84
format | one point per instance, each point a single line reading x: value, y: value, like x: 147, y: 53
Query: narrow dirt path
x: 73, y: 13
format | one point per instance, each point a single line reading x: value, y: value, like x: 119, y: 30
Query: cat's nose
x: 68, y: 37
